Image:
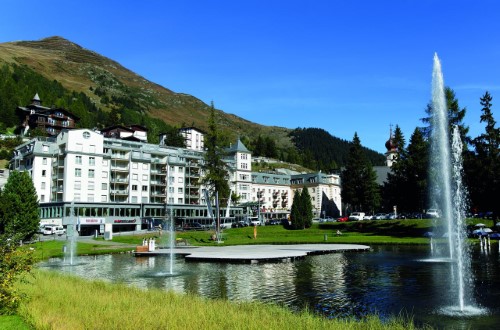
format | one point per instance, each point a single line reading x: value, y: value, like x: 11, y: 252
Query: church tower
x: 392, y: 150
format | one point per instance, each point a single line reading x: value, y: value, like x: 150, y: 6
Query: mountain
x: 93, y: 87
x: 104, y: 80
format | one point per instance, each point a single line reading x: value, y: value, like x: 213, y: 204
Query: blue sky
x: 344, y: 66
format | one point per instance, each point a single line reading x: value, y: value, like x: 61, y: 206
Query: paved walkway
x: 255, y: 253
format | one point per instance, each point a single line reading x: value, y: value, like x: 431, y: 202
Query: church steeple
x: 36, y: 100
x: 392, y: 150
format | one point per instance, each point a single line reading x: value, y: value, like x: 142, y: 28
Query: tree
x: 456, y: 116
x: 296, y: 211
x: 19, y: 218
x: 359, y: 180
x: 216, y: 173
x: 306, y: 208
x: 482, y: 167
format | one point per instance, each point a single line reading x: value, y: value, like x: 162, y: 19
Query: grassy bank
x: 78, y: 304
x: 364, y: 232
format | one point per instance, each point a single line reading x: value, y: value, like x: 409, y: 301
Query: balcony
x: 119, y: 192
x: 119, y: 180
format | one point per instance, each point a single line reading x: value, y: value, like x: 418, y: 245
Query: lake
x: 388, y: 280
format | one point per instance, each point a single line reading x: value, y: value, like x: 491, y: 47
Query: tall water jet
x: 447, y: 194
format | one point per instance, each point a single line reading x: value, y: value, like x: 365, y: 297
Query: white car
x: 356, y: 216
x: 432, y: 213
x: 54, y: 230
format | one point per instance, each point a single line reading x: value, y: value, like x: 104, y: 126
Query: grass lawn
x: 75, y: 303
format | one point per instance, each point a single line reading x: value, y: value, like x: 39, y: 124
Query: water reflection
x: 388, y: 280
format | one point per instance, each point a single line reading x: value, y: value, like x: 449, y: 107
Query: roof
x: 238, y: 147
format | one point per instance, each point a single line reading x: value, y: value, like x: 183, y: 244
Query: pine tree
x: 357, y: 178
x: 306, y: 209
x: 296, y: 212
x: 216, y: 173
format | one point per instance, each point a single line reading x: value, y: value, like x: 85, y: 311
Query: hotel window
x: 135, y: 165
x: 91, y: 161
x: 44, y: 161
x: 104, y: 198
x: 44, y: 172
x: 78, y: 172
x: 90, y: 197
x: 144, y: 188
x: 43, y: 185
x: 179, y: 201
x: 144, y: 177
x: 135, y: 177
x: 104, y: 186
x: 180, y: 180
x: 42, y: 198
x: 134, y: 187
x: 243, y: 156
x: 145, y: 166
x: 91, y: 185
x: 78, y: 185
x: 171, y: 190
x: 78, y: 160
x: 179, y: 190
x: 244, y: 166
x: 77, y: 197
x: 104, y: 174
x: 134, y: 199
x: 91, y: 173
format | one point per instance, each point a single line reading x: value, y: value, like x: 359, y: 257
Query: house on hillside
x: 131, y: 133
x: 51, y: 120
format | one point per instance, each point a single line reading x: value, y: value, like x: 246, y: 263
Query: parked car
x: 343, y: 219
x: 368, y: 217
x: 432, y: 213
x: 379, y: 216
x: 357, y: 216
x: 54, y: 230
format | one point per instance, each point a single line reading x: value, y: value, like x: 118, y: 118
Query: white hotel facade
x: 111, y: 185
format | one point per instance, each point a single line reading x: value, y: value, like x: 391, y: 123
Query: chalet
x: 131, y: 133
x: 51, y: 120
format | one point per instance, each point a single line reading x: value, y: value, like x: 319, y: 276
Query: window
x: 104, y: 174
x: 78, y: 160
x: 144, y: 177
x: 44, y: 161
x: 179, y: 190
x: 134, y: 187
x: 171, y: 179
x: 144, y: 188
x: 171, y: 190
x: 104, y: 198
x: 135, y: 177
x: 42, y: 198
x: 134, y: 199
x: 78, y: 172
x: 45, y: 148
x: 90, y: 197
x: 44, y: 172
x: 243, y: 156
x: 180, y: 180
x: 91, y: 173
x: 135, y: 165
x: 78, y: 185
x: 104, y: 186
x: 91, y: 185
x: 145, y: 166
x: 172, y: 168
x: 91, y: 161
x: 244, y: 166
x: 179, y: 201
x: 43, y: 185
x: 86, y: 135
x: 77, y: 197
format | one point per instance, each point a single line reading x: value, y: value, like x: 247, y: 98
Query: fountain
x: 447, y: 194
x: 171, y: 243
x: 72, y: 235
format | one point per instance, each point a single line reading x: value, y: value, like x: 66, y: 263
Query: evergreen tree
x: 358, y: 179
x: 216, y: 173
x: 306, y: 208
x: 482, y: 168
x: 19, y: 216
x: 296, y: 211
